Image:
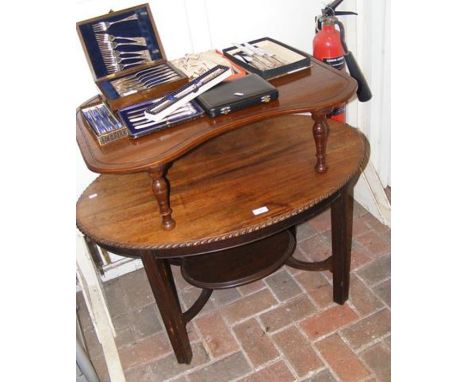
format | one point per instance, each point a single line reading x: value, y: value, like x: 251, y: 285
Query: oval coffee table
x: 237, y: 199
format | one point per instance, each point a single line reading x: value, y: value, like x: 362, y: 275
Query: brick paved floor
x: 283, y: 328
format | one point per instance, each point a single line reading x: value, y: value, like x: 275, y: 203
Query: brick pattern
x: 343, y: 361
x: 223, y: 370
x: 217, y: 335
x: 362, y: 297
x: 249, y: 306
x: 298, y: 350
x: 283, y: 285
x: 368, y: 329
x: 277, y: 372
x: 377, y: 358
x: 280, y: 329
x: 376, y: 271
x: 293, y: 310
x: 168, y: 367
x: 247, y: 289
x: 256, y: 343
x: 328, y: 321
x: 383, y: 290
x: 144, y: 351
x: 317, y: 286
x: 323, y: 376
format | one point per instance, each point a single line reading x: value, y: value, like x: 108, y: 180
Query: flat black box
x: 237, y: 94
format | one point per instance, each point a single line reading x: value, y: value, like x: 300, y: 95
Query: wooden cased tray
x: 298, y: 60
x: 143, y: 26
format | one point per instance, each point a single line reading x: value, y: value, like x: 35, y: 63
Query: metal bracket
x: 225, y: 110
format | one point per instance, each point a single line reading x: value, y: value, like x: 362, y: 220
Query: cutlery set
x: 105, y: 125
x: 138, y: 124
x: 268, y: 58
x: 114, y: 59
x: 108, y: 128
x: 188, y: 92
x: 257, y: 57
x: 101, y: 119
x: 139, y: 121
x: 127, y: 58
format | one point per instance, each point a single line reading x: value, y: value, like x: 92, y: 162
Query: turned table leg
x: 320, y: 131
x: 162, y: 283
x: 342, y: 220
x: 161, y: 191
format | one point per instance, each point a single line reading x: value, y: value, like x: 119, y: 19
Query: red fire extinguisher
x: 330, y: 47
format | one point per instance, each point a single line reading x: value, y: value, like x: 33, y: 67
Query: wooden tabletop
x: 317, y: 88
x: 216, y: 187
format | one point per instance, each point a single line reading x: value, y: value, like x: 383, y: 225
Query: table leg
x: 320, y: 131
x: 162, y: 283
x: 342, y: 220
x: 161, y: 191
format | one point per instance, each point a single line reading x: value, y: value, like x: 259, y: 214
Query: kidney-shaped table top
x: 319, y: 87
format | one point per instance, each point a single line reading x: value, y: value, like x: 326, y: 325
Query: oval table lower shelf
x: 240, y: 265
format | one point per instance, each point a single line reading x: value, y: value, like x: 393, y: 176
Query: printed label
x: 336, y: 62
x: 259, y: 211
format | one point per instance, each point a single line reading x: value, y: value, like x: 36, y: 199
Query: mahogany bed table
x: 317, y: 90
x: 236, y: 199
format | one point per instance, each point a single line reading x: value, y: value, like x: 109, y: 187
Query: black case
x: 237, y: 94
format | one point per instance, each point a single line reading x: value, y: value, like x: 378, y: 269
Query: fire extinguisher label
x: 336, y: 62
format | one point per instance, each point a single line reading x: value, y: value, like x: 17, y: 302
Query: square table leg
x: 342, y: 221
x: 162, y: 283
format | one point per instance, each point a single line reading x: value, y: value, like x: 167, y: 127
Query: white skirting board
x: 96, y: 303
x: 370, y: 193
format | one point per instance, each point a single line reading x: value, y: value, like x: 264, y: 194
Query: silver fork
x: 118, y: 60
x: 110, y: 38
x: 135, y: 77
x: 103, y: 26
x: 113, y: 45
x: 150, y: 82
x: 117, y: 67
x: 110, y: 55
x: 132, y: 89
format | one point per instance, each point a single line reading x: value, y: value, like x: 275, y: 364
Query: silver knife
x: 175, y: 100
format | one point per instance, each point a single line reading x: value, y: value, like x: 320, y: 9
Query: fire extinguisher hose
x: 364, y: 93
